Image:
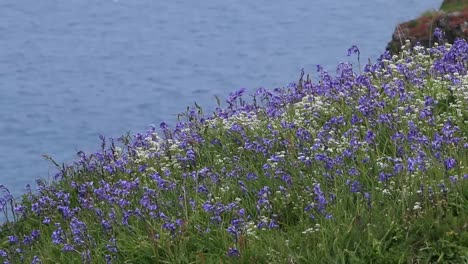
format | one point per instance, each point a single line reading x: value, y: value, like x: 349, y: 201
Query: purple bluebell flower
x: 355, y: 186
x: 237, y: 127
x: 233, y: 252
x: 169, y: 226
x: 453, y: 179
x: 273, y: 224
x: 36, y: 260
x: 367, y: 197
x: 126, y: 216
x: 163, y: 126
x: 108, y: 259
x: 35, y: 234
x: 353, y: 172
x: 251, y: 176
x: 216, y: 219
x: 207, y: 206
x: 353, y: 50
x: 438, y: 34
x: 233, y: 231
x: 262, y: 224
x: 13, y: 239
x: 111, y: 246
x: 203, y: 189
x: 46, y: 220
x: 370, y: 136
x: 412, y: 162
x: 27, y: 240
x: 320, y: 197
x: 397, y: 168
x: 58, y: 235
x: 86, y: 256
x: 383, y: 176
x: 287, y: 179
x: 450, y: 163
x: 142, y: 168
x: 20, y: 209
x: 65, y: 211
x: 79, y: 231
x: 67, y: 248
x: 242, y: 186
x: 123, y: 203
x: 241, y: 212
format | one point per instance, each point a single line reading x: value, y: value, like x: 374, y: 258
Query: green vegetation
x: 357, y: 168
x: 456, y: 5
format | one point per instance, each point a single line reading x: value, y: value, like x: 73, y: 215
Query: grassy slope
x: 451, y: 6
x: 351, y: 169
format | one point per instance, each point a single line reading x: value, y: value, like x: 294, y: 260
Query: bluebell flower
x: 46, y: 220
x: 320, y: 197
x: 450, y: 163
x: 58, y: 235
x: 12, y: 239
x: 438, y: 34
x: 251, y: 176
x: 36, y: 260
x: 111, y: 246
x: 233, y: 252
x: 27, y: 240
x: 67, y: 248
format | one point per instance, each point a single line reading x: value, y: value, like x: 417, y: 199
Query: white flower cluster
x: 247, y: 119
x: 160, y: 149
x: 314, y: 229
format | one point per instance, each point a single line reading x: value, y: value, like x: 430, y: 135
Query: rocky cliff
x: 451, y: 18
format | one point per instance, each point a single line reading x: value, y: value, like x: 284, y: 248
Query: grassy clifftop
x: 358, y: 167
x: 453, y: 5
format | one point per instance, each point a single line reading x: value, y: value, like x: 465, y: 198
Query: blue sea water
x: 71, y: 70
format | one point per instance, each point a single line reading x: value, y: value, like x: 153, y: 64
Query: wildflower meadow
x: 361, y: 165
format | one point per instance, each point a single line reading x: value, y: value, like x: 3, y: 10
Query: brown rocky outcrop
x: 451, y: 18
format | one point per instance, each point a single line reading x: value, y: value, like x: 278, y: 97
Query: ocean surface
x: 71, y: 70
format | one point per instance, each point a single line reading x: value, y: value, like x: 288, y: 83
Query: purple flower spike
x: 57, y: 235
x: 320, y: 197
x: 450, y: 163
x: 46, y: 220
x: 439, y: 34
x: 3, y: 253
x: 12, y: 239
x: 233, y: 252
x: 163, y: 125
x: 67, y: 247
x: 354, y: 50
x: 36, y: 260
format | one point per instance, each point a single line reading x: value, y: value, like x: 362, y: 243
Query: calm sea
x: 71, y: 70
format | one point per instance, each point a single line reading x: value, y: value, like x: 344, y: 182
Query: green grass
x: 454, y: 6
